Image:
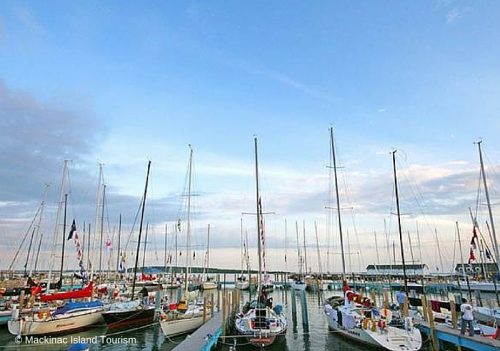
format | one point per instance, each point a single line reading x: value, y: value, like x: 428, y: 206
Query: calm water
x: 298, y: 337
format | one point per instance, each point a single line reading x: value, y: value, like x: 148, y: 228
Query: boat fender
x: 367, y: 323
x: 408, y: 324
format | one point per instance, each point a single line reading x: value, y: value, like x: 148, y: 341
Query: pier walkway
x: 205, y: 337
x: 454, y: 337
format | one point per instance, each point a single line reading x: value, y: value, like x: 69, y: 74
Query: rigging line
x: 491, y: 170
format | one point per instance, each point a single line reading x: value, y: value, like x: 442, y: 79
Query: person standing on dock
x: 400, y: 297
x: 467, y: 317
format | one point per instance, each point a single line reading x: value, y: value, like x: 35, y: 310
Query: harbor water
x: 315, y: 336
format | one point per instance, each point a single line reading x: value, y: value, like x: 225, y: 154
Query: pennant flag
x: 471, y: 256
x: 73, y: 230
x: 108, y: 244
x: 474, y: 238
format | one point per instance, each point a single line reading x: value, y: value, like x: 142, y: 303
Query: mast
x: 119, y: 235
x: 38, y: 252
x: 320, y: 268
x: 299, y: 256
x: 144, y: 249
x: 42, y: 207
x: 63, y: 236
x: 338, y: 202
x: 305, y: 249
x: 56, y: 228
x: 286, y: 264
x: 376, y: 247
x: 259, y: 224
x: 208, y: 251
x: 399, y: 222
x: 140, y: 230
x: 490, y: 213
x: 241, y: 245
x: 188, y: 233
x: 89, y: 265
x: 29, y: 251
x: 102, y: 231
x: 166, y: 242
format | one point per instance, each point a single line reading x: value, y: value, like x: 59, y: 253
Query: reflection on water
x: 298, y: 337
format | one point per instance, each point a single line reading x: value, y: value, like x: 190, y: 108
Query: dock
x: 454, y: 337
x: 205, y: 337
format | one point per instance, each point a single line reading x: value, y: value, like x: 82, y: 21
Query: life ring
x: 367, y: 323
x: 43, y: 314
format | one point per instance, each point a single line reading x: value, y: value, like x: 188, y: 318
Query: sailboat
x: 186, y: 315
x: 69, y: 317
x: 259, y: 321
x: 355, y: 317
x: 242, y: 283
x: 122, y: 315
x: 208, y: 282
x: 298, y: 282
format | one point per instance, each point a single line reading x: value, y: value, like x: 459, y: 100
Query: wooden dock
x: 453, y: 336
x: 205, y: 337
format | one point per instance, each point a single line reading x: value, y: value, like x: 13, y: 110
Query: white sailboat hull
x: 181, y: 326
x: 390, y: 338
x: 242, y: 285
x: 60, y: 324
x: 298, y: 286
x: 209, y: 286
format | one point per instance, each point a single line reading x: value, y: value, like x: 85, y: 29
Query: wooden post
x: 454, y: 319
x: 212, y: 306
x: 432, y: 327
x: 204, y: 309
x: 223, y: 317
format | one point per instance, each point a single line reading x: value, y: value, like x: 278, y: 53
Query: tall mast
x: 399, y: 221
x: 166, y: 242
x: 119, y: 235
x: 376, y: 247
x: 56, y: 228
x: 208, y: 251
x: 241, y: 244
x: 259, y: 214
x: 42, y: 207
x: 338, y: 202
x: 140, y: 230
x: 490, y: 213
x: 320, y: 268
x: 102, y: 231
x: 188, y: 232
x: 286, y: 263
x: 305, y: 249
x: 299, y: 256
x: 38, y: 252
x: 63, y: 236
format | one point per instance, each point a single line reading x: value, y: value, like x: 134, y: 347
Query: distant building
x: 397, y: 269
x: 476, y: 268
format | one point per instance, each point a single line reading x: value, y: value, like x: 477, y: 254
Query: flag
x: 108, y: 244
x: 179, y: 225
x: 471, y: 256
x: 488, y: 254
x: 73, y: 229
x: 474, y: 238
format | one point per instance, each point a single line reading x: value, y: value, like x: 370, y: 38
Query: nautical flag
x: 474, y: 238
x: 471, y: 256
x: 488, y: 254
x: 262, y: 232
x: 73, y: 229
x: 108, y: 244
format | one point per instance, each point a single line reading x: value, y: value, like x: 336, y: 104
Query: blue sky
x: 140, y: 81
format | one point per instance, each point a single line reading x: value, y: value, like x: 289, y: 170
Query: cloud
x: 456, y: 14
x: 36, y: 138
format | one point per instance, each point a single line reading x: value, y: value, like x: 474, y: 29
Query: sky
x: 121, y: 83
